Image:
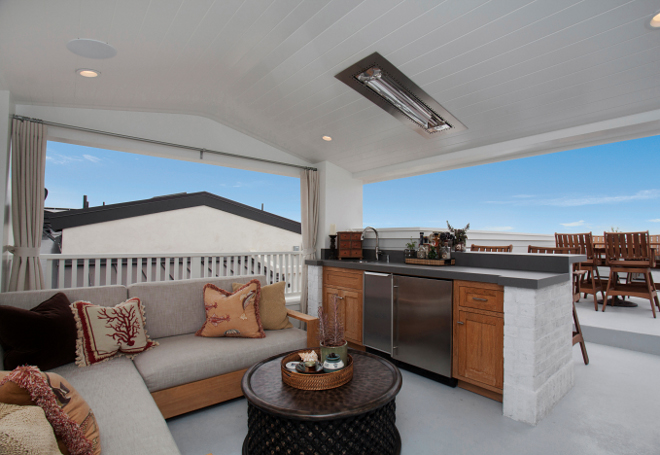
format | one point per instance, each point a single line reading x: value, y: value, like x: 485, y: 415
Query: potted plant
x: 331, y: 333
x: 411, y: 249
x: 460, y: 236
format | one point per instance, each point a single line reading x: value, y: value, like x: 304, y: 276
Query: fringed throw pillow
x: 106, y: 332
x: 68, y: 413
x: 232, y: 315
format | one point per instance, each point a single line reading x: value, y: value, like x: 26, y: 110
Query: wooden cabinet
x: 478, y: 360
x: 346, y: 286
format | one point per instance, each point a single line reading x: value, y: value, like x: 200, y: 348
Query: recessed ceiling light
x: 655, y: 21
x: 86, y: 72
x: 91, y: 48
x: 327, y: 138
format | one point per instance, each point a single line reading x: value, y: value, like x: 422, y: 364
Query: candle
x: 333, y: 229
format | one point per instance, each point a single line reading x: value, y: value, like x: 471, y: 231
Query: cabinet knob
x: 479, y: 299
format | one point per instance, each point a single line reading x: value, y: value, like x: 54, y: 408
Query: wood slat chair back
x: 552, y: 250
x: 631, y: 249
x: 630, y: 252
x: 598, y: 241
x: 591, y: 282
x: 492, y: 249
x: 582, y: 241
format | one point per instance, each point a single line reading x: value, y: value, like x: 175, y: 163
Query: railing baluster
x: 138, y: 276
x: 148, y: 269
x: 120, y: 263
x: 61, y: 266
x: 85, y: 273
x: 129, y: 271
x: 176, y: 269
x: 97, y: 272
x: 108, y: 272
x: 49, y: 274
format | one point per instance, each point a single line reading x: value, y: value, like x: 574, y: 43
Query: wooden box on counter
x: 350, y: 244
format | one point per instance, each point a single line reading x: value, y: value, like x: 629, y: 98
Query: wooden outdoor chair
x: 630, y: 252
x: 577, y: 280
x: 592, y: 283
x: 598, y: 241
x: 492, y: 249
x: 654, y: 240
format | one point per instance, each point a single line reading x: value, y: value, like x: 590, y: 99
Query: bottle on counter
x: 446, y: 251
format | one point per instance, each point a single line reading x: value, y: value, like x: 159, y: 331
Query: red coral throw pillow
x: 106, y: 332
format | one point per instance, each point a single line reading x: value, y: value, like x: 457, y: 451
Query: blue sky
x: 590, y: 189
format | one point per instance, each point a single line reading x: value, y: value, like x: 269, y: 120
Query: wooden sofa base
x: 199, y: 394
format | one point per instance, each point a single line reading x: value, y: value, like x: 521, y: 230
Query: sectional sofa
x: 132, y: 398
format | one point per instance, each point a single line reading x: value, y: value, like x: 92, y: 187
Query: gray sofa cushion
x: 177, y: 307
x: 101, y: 295
x: 187, y: 358
x: 128, y: 418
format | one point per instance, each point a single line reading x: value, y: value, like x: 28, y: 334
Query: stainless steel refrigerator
x: 409, y: 318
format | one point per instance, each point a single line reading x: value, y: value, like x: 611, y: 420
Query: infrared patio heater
x: 382, y: 83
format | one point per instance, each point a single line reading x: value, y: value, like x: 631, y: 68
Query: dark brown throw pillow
x: 44, y: 336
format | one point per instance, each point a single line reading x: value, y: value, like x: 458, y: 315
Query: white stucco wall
x: 340, y: 198
x: 192, y: 230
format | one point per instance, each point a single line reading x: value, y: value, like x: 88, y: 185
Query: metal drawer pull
x: 461, y: 323
x: 479, y: 299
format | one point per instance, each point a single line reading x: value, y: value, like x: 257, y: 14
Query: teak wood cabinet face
x: 478, y: 358
x: 346, y: 284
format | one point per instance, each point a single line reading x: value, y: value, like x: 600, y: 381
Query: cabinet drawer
x: 356, y: 236
x: 481, y: 299
x: 356, y: 253
x: 344, y: 253
x: 345, y: 244
x: 342, y: 278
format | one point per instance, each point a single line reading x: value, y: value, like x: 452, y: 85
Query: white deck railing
x: 68, y: 271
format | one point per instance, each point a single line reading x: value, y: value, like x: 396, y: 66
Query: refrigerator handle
x: 395, y: 320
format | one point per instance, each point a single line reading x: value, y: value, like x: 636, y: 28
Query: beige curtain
x: 309, y: 201
x: 28, y: 168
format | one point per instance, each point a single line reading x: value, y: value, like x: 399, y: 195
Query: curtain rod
x: 168, y: 144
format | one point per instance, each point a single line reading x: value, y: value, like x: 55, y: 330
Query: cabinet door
x: 352, y: 301
x: 480, y: 348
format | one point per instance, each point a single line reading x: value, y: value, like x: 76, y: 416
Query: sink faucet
x: 378, y: 253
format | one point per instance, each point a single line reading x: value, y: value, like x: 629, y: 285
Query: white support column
x: 6, y: 111
x: 340, y: 202
x: 538, y: 362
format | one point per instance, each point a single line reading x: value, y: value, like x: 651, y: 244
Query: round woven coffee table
x: 356, y: 418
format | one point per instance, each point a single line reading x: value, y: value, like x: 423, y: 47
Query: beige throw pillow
x: 272, y: 306
x: 232, y: 315
x: 24, y: 430
x: 106, y: 332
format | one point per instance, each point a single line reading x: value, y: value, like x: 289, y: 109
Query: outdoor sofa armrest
x: 312, y: 326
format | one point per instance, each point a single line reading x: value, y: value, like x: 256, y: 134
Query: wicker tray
x: 430, y: 261
x: 318, y: 381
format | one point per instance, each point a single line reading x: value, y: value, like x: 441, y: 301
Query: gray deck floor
x: 613, y: 409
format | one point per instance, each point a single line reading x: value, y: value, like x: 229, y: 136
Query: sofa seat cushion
x: 129, y: 420
x: 188, y: 358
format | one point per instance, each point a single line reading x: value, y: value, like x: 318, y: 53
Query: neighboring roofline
x: 113, y: 212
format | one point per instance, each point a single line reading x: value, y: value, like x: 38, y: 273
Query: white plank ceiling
x: 507, y: 69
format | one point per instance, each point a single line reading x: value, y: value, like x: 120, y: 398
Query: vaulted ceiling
x: 507, y: 69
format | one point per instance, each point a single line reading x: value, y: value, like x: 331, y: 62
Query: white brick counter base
x: 314, y: 289
x: 538, y: 367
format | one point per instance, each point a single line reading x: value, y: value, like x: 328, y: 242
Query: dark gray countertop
x: 519, y: 278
